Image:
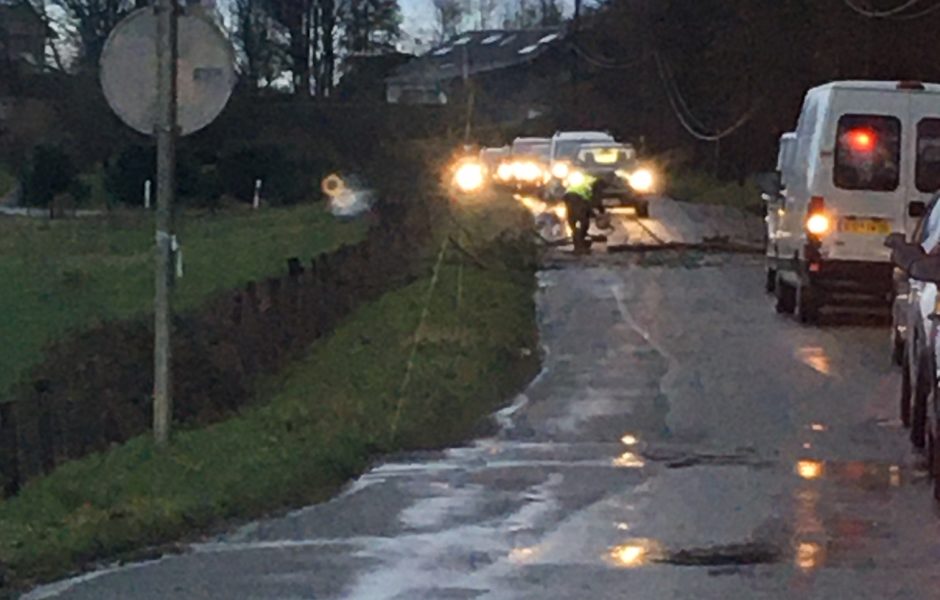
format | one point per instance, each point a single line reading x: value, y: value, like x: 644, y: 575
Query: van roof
x: 886, y: 86
x: 583, y: 135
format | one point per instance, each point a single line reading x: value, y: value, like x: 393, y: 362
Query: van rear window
x: 927, y: 174
x: 868, y: 153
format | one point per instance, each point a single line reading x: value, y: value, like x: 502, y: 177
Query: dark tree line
x: 302, y: 40
x: 747, y: 62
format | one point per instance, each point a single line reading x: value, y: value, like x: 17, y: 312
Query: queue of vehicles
x: 863, y: 164
x: 544, y: 168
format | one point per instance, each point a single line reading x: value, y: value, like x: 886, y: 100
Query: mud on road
x: 682, y: 441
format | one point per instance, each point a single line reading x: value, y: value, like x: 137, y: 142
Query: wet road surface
x: 683, y: 441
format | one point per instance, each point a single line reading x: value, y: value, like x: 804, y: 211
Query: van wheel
x: 786, y: 297
x: 935, y: 452
x: 933, y: 457
x: 771, y: 283
x: 897, y: 347
x: 919, y: 407
x: 807, y: 304
x: 905, y: 389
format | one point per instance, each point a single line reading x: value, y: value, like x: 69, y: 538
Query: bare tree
x: 448, y: 14
x: 89, y: 23
x: 487, y: 12
x: 261, y: 43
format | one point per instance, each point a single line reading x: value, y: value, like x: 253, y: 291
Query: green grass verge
x: 699, y: 187
x: 62, y: 275
x: 323, y: 418
x: 7, y: 180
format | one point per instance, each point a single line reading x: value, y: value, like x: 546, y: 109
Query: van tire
x: 919, y: 407
x: 807, y: 304
x: 905, y: 405
x: 786, y: 297
x: 897, y: 348
x: 771, y: 284
x: 935, y: 449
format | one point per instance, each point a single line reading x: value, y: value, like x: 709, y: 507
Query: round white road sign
x: 205, y: 78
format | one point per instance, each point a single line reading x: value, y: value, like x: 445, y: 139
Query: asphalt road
x: 683, y: 441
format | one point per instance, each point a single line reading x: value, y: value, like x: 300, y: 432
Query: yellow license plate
x: 866, y: 226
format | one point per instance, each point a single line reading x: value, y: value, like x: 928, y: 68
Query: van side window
x: 927, y: 174
x: 868, y: 153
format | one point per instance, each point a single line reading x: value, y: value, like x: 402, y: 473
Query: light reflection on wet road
x: 684, y: 441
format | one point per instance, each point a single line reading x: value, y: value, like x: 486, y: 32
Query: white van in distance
x: 865, y: 163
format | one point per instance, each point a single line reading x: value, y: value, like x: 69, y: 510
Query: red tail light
x: 861, y: 140
x: 817, y: 204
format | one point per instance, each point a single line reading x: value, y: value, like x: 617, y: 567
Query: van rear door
x: 868, y: 188
x: 924, y: 146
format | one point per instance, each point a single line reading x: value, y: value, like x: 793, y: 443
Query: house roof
x: 478, y: 52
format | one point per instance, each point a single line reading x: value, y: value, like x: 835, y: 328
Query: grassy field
x: 68, y: 274
x: 322, y: 421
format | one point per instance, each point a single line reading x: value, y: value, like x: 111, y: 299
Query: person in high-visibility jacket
x: 580, y: 192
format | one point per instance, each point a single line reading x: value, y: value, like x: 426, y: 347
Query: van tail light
x: 818, y: 222
x: 817, y: 204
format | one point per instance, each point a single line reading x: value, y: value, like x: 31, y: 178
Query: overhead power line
x: 677, y: 94
x: 686, y: 118
x: 918, y: 15
x: 607, y: 64
x: 882, y: 14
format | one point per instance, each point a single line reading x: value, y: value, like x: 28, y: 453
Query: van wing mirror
x: 916, y: 209
x: 770, y: 184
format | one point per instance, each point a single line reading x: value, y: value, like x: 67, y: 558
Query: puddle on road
x: 681, y: 460
x: 809, y: 556
x: 634, y: 553
x: 755, y: 553
x: 643, y: 551
x: 871, y: 476
x: 815, y: 357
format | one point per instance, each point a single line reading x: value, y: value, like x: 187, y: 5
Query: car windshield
x: 612, y: 157
x: 568, y: 149
x: 539, y: 149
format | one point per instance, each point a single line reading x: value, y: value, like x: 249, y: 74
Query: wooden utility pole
x: 166, y: 11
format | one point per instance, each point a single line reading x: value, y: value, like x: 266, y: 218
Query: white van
x: 866, y: 162
x: 775, y: 202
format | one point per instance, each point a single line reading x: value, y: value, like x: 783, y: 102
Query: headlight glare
x: 642, y: 180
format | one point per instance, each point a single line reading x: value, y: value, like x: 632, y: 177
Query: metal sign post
x: 166, y: 188
x: 166, y: 74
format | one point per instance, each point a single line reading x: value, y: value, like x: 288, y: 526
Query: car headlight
x: 642, y: 180
x: 504, y: 171
x: 528, y: 171
x: 560, y: 170
x: 469, y: 177
x: 575, y: 178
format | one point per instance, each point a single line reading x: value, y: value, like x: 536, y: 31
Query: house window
x: 492, y: 39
